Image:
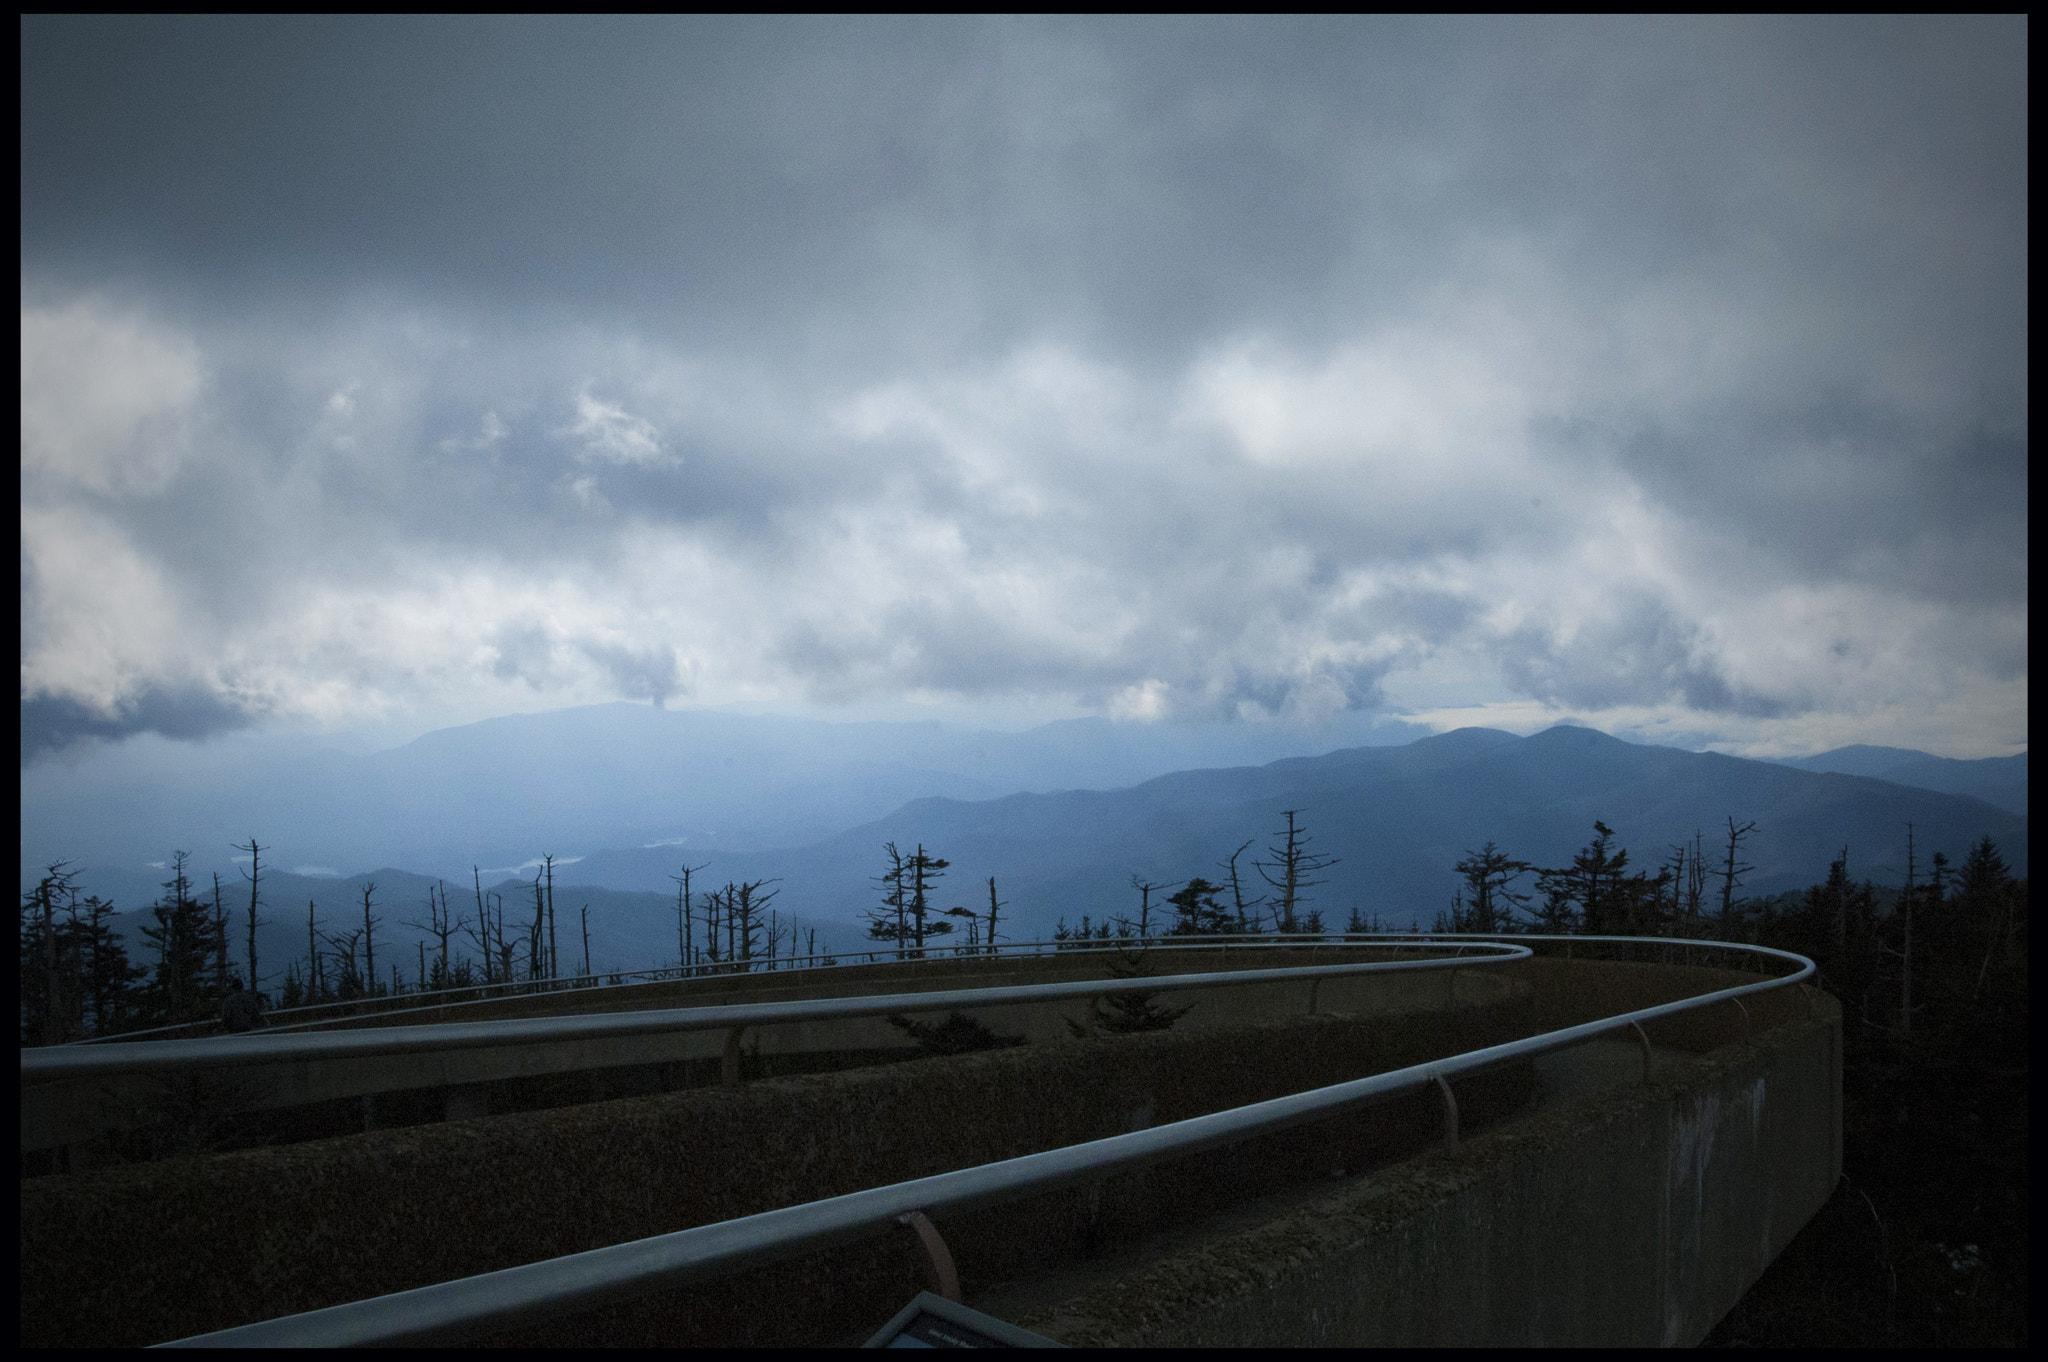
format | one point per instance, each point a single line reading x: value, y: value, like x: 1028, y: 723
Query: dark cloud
x: 638, y: 673
x: 53, y: 724
x: 1170, y: 366
x: 1645, y: 657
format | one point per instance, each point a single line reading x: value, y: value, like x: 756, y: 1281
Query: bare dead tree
x: 507, y: 947
x: 369, y: 940
x: 315, y: 974
x: 1145, y: 889
x: 554, y: 956
x: 440, y: 925
x: 1243, y: 909
x: 483, y: 922
x: 220, y: 942
x: 744, y: 904
x: 1292, y: 870
x: 536, y: 965
x: 685, y: 941
x: 254, y: 874
x: 1732, y: 872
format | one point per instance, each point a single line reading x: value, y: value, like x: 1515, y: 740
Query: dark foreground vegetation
x: 1924, y: 1243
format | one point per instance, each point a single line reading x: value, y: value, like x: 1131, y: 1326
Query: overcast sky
x: 1668, y: 376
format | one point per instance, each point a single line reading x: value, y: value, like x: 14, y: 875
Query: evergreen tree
x: 1127, y: 1013
x: 1244, y: 911
x: 1490, y: 874
x: 921, y: 872
x: 1591, y: 879
x: 184, y: 936
x: 50, y: 993
x: 1197, y: 911
x: 109, y: 977
x: 888, y: 921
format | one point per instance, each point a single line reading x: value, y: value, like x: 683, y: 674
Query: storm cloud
x: 1668, y: 374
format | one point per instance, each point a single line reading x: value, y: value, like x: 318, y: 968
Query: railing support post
x: 938, y: 1259
x: 1644, y: 1038
x: 1315, y: 989
x: 1745, y: 1016
x: 1450, y: 1111
x: 729, y: 1064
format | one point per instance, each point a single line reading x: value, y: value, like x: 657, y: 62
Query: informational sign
x: 932, y: 1321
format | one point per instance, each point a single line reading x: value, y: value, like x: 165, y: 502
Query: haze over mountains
x: 810, y: 804
x: 568, y: 782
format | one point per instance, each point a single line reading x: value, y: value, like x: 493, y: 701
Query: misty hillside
x: 501, y: 792
x: 1397, y: 817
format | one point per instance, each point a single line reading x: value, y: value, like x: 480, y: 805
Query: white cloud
x: 106, y: 398
x: 609, y: 433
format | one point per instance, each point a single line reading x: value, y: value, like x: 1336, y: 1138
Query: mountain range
x: 1395, y: 819
x: 501, y: 792
x: 1995, y: 780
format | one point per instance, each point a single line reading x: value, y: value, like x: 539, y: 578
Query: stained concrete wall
x: 1634, y: 1218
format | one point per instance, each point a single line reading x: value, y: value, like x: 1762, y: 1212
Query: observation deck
x: 1458, y: 1151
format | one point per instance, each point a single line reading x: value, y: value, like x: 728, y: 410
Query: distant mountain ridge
x: 1995, y: 780
x: 1398, y: 818
x: 499, y: 792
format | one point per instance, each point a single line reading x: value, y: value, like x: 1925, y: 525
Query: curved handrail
x: 64, y: 1062
x: 386, y: 1004
x: 1013, y: 953
x: 494, y: 1301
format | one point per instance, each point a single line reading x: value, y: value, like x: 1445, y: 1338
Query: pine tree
x: 109, y: 977
x: 185, y: 943
x: 1592, y: 877
x: 1490, y: 874
x: 51, y: 1010
x: 921, y: 873
x: 887, y: 921
x: 1197, y: 911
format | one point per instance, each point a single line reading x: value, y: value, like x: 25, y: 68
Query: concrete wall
x: 148, y: 1252
x: 151, y: 1252
x: 474, y: 1081
x: 1634, y: 1218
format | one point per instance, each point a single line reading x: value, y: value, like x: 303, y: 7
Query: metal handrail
x: 385, y: 1004
x: 1023, y: 950
x: 63, y: 1062
x: 494, y: 1301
